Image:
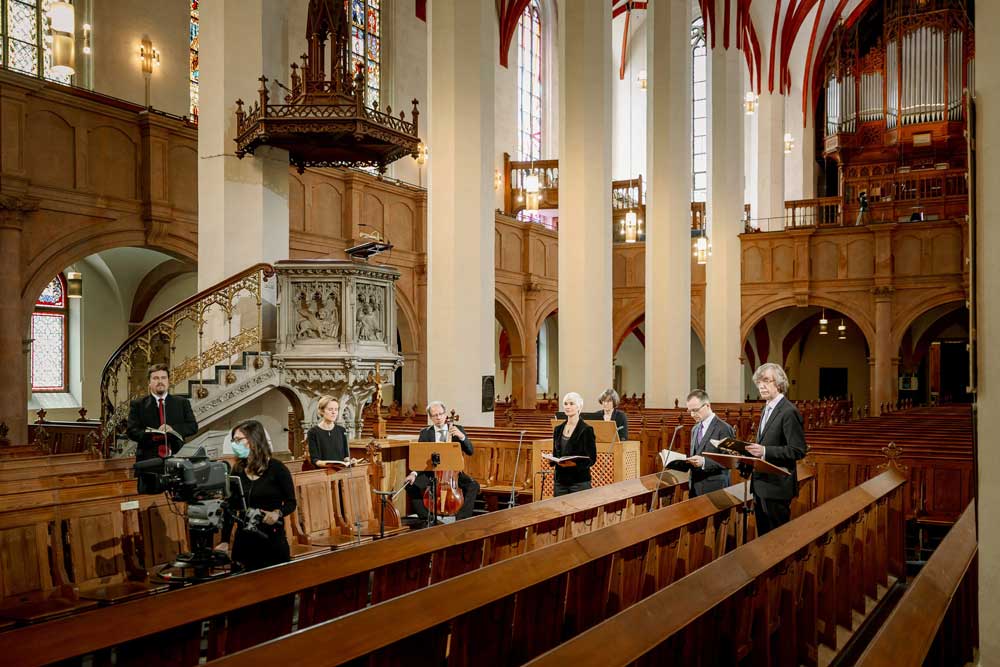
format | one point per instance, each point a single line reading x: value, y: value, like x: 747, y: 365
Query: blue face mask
x: 242, y: 451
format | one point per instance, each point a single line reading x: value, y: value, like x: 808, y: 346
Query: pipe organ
x: 892, y: 106
x: 912, y: 73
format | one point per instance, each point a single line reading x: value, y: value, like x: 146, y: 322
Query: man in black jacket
x: 156, y: 411
x: 441, y: 431
x: 706, y: 474
x: 780, y: 441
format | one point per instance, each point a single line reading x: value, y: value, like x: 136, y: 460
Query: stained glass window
x: 48, y: 334
x: 366, y: 43
x: 529, y: 84
x: 27, y: 47
x: 699, y: 112
x: 194, y: 71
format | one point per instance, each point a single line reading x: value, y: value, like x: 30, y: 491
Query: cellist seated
x: 441, y: 430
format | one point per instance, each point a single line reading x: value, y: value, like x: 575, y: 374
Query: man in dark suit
x: 781, y: 441
x: 157, y: 410
x: 706, y: 475
x: 441, y: 431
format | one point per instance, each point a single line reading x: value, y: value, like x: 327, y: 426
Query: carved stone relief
x: 317, y: 310
x: 370, y: 312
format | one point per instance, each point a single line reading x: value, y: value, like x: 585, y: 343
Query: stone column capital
x: 13, y: 211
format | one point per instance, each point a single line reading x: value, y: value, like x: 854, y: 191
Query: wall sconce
x: 823, y: 322
x: 841, y: 330
x: 641, y: 79
x: 74, y: 285
x: 149, y: 57
x: 421, y: 156
x: 62, y: 28
x: 789, y: 143
x: 749, y: 103
x: 497, y: 179
x: 702, y: 249
x: 86, y: 38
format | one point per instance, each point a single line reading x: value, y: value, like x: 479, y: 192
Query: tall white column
x: 460, y: 262
x: 585, y: 69
x: 668, y: 207
x: 723, y: 371
x: 769, y: 180
x: 988, y: 396
x: 242, y: 204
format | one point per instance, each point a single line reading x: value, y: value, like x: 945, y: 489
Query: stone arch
x: 547, y: 307
x: 859, y: 317
x: 83, y: 243
x: 903, y: 321
x: 510, y: 319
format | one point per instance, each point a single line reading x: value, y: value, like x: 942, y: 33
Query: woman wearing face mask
x: 267, y: 486
x: 327, y: 440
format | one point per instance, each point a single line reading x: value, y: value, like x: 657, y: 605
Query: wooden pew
x: 936, y: 620
x: 167, y: 628
x: 514, y: 610
x: 44, y: 460
x: 775, y: 601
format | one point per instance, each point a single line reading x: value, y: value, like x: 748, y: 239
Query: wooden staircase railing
x: 179, y: 339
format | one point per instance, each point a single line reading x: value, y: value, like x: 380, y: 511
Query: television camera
x: 210, y: 493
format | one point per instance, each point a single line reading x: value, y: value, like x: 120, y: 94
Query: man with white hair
x: 781, y: 441
x: 442, y: 430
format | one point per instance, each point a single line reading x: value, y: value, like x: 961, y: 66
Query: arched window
x: 529, y: 84
x: 699, y: 112
x: 194, y: 70
x: 366, y: 42
x: 26, y: 48
x: 48, y: 334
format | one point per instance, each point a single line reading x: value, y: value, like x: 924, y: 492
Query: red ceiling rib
x: 772, y: 55
x: 812, y: 41
x: 819, y: 69
x: 422, y: 10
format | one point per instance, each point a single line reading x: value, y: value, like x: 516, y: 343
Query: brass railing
x: 190, y: 338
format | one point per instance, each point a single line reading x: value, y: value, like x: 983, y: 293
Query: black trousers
x: 255, y: 550
x: 771, y: 513
x: 468, y: 486
x: 559, y: 489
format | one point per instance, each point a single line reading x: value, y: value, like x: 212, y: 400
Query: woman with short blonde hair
x: 327, y: 440
x: 574, y: 437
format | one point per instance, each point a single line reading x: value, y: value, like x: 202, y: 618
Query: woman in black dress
x: 609, y: 401
x: 574, y: 437
x: 267, y: 486
x: 327, y: 440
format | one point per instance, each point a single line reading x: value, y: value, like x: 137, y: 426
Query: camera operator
x: 267, y: 487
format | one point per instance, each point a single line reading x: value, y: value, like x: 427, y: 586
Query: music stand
x: 745, y: 465
x: 385, y: 496
x: 431, y: 457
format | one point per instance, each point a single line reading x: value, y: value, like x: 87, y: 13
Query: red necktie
x: 163, y: 451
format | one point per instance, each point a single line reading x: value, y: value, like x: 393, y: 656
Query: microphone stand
x: 513, y: 482
x: 659, y: 478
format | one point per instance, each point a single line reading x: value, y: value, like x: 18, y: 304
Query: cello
x: 449, y: 498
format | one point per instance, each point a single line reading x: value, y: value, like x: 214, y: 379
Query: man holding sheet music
x: 706, y: 475
x: 780, y: 441
x: 160, y: 423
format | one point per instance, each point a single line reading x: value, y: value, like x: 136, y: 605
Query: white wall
x: 271, y: 410
x: 177, y: 290
x: 631, y: 357
x: 118, y: 28
x: 628, y: 100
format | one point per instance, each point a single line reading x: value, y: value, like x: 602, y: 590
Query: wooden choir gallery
x: 481, y: 332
